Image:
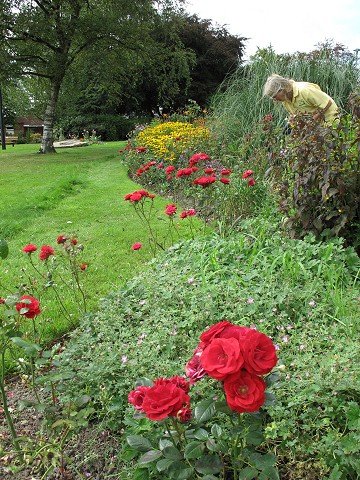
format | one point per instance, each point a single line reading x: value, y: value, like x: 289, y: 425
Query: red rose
x: 170, y: 209
x: 214, y: 331
x: 136, y: 246
x: 247, y: 173
x: 193, y: 369
x: 225, y: 180
x: 259, y: 352
x: 61, y: 239
x: 31, y: 304
x: 209, y: 170
x: 83, y: 266
x: 180, y: 382
x: 136, y: 397
x: 45, y: 252
x: 204, y: 181
x: 169, y: 169
x: 226, y: 171
x: 197, y: 157
x: 164, y: 400
x: 251, y: 182
x: 244, y: 392
x: 30, y: 248
x: 222, y: 357
x: 139, y: 172
x: 74, y: 241
x: 135, y: 197
x: 184, y: 414
x: 140, y: 149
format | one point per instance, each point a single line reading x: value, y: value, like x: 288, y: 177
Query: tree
x: 218, y: 54
x: 43, y: 38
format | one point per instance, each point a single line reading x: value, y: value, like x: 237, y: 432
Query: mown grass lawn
x: 78, y: 191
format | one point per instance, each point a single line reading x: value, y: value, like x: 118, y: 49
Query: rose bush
x: 183, y: 445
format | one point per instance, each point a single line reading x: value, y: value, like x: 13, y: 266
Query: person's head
x: 278, y: 88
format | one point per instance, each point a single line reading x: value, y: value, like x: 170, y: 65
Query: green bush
x: 320, y: 192
x: 300, y: 293
x: 109, y: 127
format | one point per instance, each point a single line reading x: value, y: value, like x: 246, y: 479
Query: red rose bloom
x: 204, y: 181
x: 135, y: 197
x: 139, y: 172
x: 31, y: 304
x: 244, y: 392
x: 30, y: 248
x: 184, y: 414
x: 180, y: 382
x: 61, y: 239
x: 247, y: 173
x: 222, y: 357
x: 170, y: 209
x: 136, y: 246
x: 259, y: 352
x: 169, y: 169
x: 251, y: 182
x: 198, y: 157
x: 214, y: 331
x: 164, y: 400
x: 209, y: 170
x: 45, y: 252
x: 136, y: 397
x: 140, y: 149
x: 74, y: 241
x: 184, y: 172
x: 225, y: 180
x: 226, y: 171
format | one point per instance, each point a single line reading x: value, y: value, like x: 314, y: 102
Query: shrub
x: 321, y: 188
x: 167, y: 140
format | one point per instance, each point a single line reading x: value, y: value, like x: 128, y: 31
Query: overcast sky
x: 288, y: 26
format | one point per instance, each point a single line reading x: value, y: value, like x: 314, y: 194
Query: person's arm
x: 319, y: 115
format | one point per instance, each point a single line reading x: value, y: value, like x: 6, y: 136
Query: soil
x: 90, y: 455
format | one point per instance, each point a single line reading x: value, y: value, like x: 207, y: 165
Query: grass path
x: 76, y: 192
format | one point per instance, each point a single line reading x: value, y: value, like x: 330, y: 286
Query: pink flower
x: 193, y: 369
x: 30, y: 248
x: 251, y: 182
x: 247, y: 173
x: 45, y: 252
x: 170, y: 209
x: 136, y: 246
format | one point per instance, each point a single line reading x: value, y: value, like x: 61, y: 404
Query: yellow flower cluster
x: 168, y: 140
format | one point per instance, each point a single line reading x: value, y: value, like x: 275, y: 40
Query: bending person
x: 301, y: 97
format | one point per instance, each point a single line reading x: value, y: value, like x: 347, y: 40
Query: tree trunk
x: 49, y: 118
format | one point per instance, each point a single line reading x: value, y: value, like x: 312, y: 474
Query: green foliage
x: 320, y: 190
x: 109, y: 127
x: 237, y: 111
x: 301, y: 293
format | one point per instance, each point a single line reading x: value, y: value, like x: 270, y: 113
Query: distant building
x: 28, y: 125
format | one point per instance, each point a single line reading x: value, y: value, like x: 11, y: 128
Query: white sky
x: 288, y: 26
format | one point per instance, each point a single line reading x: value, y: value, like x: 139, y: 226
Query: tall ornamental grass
x: 237, y: 111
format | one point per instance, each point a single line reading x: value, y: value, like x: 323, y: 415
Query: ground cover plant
x: 312, y: 319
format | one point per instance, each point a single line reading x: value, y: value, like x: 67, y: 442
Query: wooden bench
x: 11, y: 140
